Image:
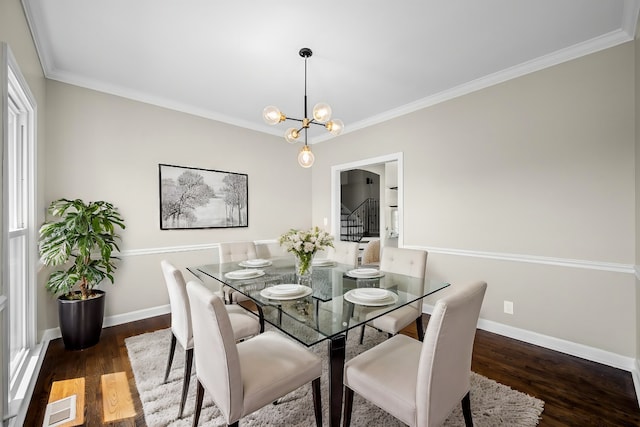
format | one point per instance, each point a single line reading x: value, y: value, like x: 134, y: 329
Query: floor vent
x: 60, y: 412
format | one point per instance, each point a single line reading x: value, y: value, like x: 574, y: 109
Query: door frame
x: 335, y: 189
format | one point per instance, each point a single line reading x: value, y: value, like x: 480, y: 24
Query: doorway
x: 391, y: 210
x: 360, y: 203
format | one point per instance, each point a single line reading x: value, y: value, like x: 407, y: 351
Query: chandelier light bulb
x: 292, y: 135
x: 322, y: 112
x: 272, y: 115
x: 335, y: 127
x: 306, y: 157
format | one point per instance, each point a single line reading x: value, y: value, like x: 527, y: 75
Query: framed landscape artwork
x: 201, y: 198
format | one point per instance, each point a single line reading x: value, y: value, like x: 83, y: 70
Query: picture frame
x: 195, y: 198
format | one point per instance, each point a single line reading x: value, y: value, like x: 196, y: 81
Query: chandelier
x: 321, y: 117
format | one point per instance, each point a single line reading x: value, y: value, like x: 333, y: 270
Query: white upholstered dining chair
x: 371, y: 253
x: 244, y: 324
x: 421, y: 383
x: 344, y: 253
x: 267, y: 250
x: 242, y: 378
x: 235, y: 251
x: 410, y: 262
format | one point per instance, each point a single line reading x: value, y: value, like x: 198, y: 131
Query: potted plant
x: 82, y: 239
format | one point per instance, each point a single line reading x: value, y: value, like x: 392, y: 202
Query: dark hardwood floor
x: 576, y: 392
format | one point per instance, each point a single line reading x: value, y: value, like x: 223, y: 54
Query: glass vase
x: 304, y: 268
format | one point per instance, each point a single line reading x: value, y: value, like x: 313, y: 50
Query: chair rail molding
x: 168, y: 249
x: 535, y: 259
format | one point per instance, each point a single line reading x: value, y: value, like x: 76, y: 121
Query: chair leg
x: 362, y: 334
x: 260, y: 318
x: 172, y: 350
x: 466, y: 410
x: 317, y: 401
x: 348, y: 405
x: 199, y: 397
x: 420, y: 328
x: 188, y: 361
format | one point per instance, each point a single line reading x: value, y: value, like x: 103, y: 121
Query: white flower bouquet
x: 305, y: 244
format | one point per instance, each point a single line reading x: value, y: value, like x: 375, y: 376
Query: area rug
x: 492, y: 404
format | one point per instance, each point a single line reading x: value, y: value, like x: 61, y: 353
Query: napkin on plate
x: 365, y: 272
x: 256, y: 261
x: 244, y: 273
x: 371, y: 294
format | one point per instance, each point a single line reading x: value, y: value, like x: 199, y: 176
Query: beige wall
x: 104, y: 147
x: 539, y: 166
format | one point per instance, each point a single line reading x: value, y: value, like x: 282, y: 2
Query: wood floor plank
x: 576, y: 392
x: 117, y: 403
x: 66, y: 388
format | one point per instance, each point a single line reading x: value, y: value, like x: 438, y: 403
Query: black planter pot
x: 81, y: 320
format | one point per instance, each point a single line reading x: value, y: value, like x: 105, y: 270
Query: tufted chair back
x: 344, y: 253
x: 411, y: 262
x: 237, y: 251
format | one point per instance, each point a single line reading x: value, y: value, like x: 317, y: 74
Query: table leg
x: 337, y: 346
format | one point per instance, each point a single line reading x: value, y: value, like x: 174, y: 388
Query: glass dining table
x: 338, y: 299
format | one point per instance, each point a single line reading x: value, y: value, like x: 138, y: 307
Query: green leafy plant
x: 85, y: 236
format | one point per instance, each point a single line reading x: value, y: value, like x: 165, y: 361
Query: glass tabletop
x: 338, y: 298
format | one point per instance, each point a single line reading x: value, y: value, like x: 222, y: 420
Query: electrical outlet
x: 508, y: 307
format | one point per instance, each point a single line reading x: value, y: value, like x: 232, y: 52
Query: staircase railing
x: 363, y: 221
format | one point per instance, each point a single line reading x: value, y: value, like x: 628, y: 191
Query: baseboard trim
x: 563, y: 346
x: 118, y: 319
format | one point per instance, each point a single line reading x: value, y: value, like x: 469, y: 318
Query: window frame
x: 14, y: 86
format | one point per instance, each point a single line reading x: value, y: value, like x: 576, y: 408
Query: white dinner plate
x: 365, y: 273
x: 321, y: 262
x: 303, y: 292
x: 257, y: 262
x: 244, y: 274
x: 371, y: 294
x: 286, y: 289
x: 352, y: 297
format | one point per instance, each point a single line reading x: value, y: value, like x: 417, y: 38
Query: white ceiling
x: 372, y: 60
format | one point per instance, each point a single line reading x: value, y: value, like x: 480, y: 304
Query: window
x: 18, y: 232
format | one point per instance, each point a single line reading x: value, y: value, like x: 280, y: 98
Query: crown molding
x: 614, y: 38
x: 594, y: 45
